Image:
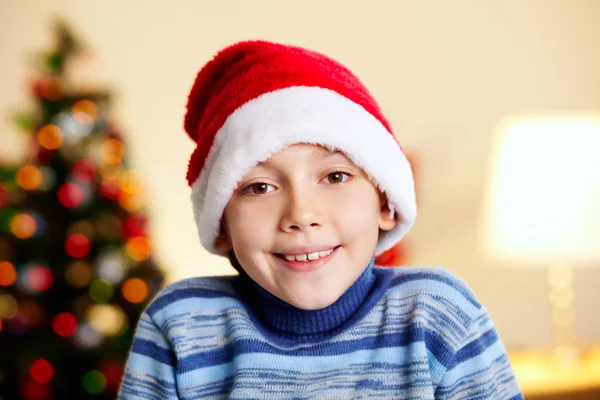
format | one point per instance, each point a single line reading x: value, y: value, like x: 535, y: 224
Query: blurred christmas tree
x: 75, y: 259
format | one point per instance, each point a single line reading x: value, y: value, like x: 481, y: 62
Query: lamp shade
x: 542, y: 199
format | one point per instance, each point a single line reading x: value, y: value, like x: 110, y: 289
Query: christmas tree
x: 76, y: 266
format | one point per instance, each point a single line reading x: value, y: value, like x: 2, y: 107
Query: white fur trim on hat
x: 301, y: 114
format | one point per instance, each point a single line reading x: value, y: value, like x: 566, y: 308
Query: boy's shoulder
x: 185, y: 295
x: 435, y: 290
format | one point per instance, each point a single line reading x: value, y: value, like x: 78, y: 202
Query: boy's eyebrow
x: 322, y: 153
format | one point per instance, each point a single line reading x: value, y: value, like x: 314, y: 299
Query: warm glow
x: 112, y: 151
x: 135, y: 290
x: 23, y: 226
x: 543, y: 200
x: 29, y: 177
x: 138, y: 248
x: 50, y: 137
x: 107, y: 319
x: 85, y: 111
x: 8, y: 273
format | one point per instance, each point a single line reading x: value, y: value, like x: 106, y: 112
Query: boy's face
x: 304, y: 199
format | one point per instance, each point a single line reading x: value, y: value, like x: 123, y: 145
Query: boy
x: 299, y: 180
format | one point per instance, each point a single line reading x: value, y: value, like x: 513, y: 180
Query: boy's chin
x: 311, y: 303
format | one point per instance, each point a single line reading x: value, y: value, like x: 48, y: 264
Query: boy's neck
x: 285, y: 319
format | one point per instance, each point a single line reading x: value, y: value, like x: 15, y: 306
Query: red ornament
x: 70, y: 195
x: 77, y: 245
x: 40, y: 278
x: 41, y: 371
x: 64, y: 324
x: 84, y: 170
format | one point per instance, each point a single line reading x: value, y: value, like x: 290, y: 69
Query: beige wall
x: 444, y: 72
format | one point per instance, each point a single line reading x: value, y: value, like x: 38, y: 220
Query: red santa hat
x: 255, y: 98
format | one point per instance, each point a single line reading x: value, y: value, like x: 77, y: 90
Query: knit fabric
x: 396, y: 333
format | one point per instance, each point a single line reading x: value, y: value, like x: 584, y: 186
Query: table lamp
x: 541, y: 207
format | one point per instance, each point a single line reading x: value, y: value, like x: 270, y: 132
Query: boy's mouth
x: 307, y: 257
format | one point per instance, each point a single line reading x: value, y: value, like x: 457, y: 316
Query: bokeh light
x: 135, y: 224
x: 107, y: 319
x: 7, y: 214
x: 8, y: 306
x: 41, y: 370
x: 23, y: 226
x: 94, y: 382
x: 50, y: 137
x: 64, y: 324
x: 109, y: 227
x: 113, y: 371
x: 32, y: 390
x: 79, y: 273
x: 135, y: 290
x: 84, y: 170
x: 8, y: 273
x: 101, y: 290
x: 29, y: 177
x: 111, y: 266
x: 40, y: 224
x: 85, y: 111
x: 83, y: 227
x: 112, y: 151
x: 138, y: 248
x: 39, y: 278
x: 77, y: 245
x: 70, y: 195
x: 110, y: 188
x: 87, y: 337
x: 31, y: 312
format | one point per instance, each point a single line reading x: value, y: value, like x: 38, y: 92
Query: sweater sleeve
x: 480, y: 368
x: 150, y: 369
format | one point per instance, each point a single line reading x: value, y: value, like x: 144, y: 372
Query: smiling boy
x: 298, y: 179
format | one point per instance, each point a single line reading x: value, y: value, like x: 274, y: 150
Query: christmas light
x: 23, y: 226
x: 29, y: 177
x: 73, y: 129
x: 110, y: 188
x: 31, y: 312
x: 110, y: 266
x: 77, y: 245
x: 109, y: 227
x: 135, y: 224
x: 50, y: 137
x: 8, y: 306
x: 113, y: 371
x: 70, y: 195
x: 8, y: 273
x: 87, y: 337
x: 112, y: 151
x: 101, y: 290
x: 78, y: 273
x: 83, y: 227
x: 64, y: 324
x: 85, y: 111
x: 94, y: 382
x: 138, y: 248
x: 135, y: 290
x: 131, y: 202
x: 32, y: 390
x: 84, y: 170
x: 107, y: 319
x: 41, y: 371
x: 131, y: 182
x: 39, y: 278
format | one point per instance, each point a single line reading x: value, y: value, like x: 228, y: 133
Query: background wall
x: 444, y: 72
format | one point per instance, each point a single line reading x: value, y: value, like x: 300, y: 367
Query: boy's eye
x: 337, y: 177
x: 259, y: 188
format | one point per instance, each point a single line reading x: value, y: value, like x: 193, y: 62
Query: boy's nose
x: 301, y: 213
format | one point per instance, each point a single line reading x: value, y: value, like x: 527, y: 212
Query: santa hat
x: 255, y: 98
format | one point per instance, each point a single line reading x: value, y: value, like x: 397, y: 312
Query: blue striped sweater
x: 396, y: 333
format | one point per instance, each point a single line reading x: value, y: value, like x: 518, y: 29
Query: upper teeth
x: 309, y: 256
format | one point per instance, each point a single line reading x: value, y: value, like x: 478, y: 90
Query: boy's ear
x: 387, y: 216
x: 223, y: 242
